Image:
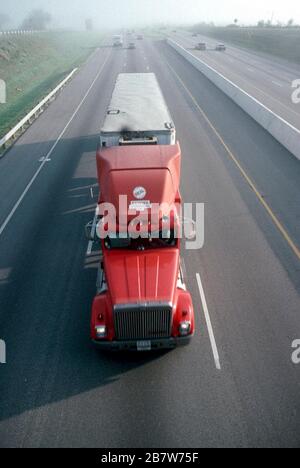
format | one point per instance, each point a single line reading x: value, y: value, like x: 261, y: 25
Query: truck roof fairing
x: 155, y: 169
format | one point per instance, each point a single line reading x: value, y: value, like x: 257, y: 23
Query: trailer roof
x: 137, y: 105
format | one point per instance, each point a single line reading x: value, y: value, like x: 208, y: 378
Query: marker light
x: 101, y: 331
x: 184, y: 328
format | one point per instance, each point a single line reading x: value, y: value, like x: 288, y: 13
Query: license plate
x: 143, y: 345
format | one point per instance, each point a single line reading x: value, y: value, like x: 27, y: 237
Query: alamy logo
x: 2, y: 92
x: 139, y: 193
x: 2, y: 352
x: 296, y: 353
x: 296, y: 93
x: 142, y: 219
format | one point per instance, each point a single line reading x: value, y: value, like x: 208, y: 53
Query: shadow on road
x: 47, y: 284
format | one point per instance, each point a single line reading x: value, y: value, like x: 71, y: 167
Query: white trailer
x: 137, y: 114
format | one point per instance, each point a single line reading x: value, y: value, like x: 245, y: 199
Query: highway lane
x: 56, y: 390
x: 19, y: 165
x: 241, y: 274
x: 266, y: 65
x: 268, y: 81
x: 271, y: 65
x: 273, y: 169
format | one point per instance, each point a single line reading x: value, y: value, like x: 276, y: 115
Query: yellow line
x: 274, y: 218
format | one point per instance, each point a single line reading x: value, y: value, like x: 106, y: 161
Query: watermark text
x: 2, y: 92
x: 296, y: 352
x: 296, y: 93
x: 2, y: 352
x: 142, y: 219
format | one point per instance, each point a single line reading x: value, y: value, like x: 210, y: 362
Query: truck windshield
x: 159, y: 240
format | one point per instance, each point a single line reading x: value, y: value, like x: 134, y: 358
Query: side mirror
x: 90, y: 232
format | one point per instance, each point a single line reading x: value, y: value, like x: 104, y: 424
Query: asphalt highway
x: 266, y: 78
x: 56, y: 389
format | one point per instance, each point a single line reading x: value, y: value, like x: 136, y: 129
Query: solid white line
x: 93, y: 232
x: 11, y: 214
x: 242, y: 90
x: 277, y: 84
x: 208, y: 323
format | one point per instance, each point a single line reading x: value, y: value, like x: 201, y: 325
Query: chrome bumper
x: 166, y: 343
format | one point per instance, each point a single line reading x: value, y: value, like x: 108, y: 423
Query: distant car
x: 220, y: 47
x: 140, y: 37
x: 194, y: 35
x: 200, y: 46
x: 131, y: 45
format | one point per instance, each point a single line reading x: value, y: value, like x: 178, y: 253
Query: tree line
x: 35, y: 20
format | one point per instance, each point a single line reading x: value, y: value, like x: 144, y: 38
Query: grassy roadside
x: 281, y: 42
x: 32, y: 66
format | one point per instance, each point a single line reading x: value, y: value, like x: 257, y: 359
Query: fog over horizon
x: 133, y: 13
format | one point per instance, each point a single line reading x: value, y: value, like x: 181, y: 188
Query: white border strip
x: 35, y: 111
x: 208, y: 323
x: 279, y: 128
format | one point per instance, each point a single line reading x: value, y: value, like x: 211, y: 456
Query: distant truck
x: 117, y: 41
x: 200, y: 46
x: 142, y: 302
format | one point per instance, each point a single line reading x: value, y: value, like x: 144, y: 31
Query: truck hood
x: 149, y: 276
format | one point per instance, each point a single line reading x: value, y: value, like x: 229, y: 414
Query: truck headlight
x: 185, y: 328
x: 101, y: 331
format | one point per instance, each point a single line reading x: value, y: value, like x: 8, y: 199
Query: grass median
x: 33, y: 65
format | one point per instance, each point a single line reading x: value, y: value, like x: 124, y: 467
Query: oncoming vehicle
x: 220, y: 47
x: 131, y: 45
x: 200, y: 46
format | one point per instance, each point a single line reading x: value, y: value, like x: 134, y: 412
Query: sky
x: 126, y: 13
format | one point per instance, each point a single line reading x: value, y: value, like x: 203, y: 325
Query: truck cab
x: 141, y: 302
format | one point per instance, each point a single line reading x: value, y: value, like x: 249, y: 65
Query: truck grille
x: 143, y: 321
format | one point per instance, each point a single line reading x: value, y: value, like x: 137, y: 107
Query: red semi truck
x: 141, y: 301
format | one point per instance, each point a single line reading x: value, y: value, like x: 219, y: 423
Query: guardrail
x: 279, y: 128
x: 14, y: 133
x: 19, y: 32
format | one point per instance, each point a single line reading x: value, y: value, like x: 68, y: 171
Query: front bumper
x: 165, y: 343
